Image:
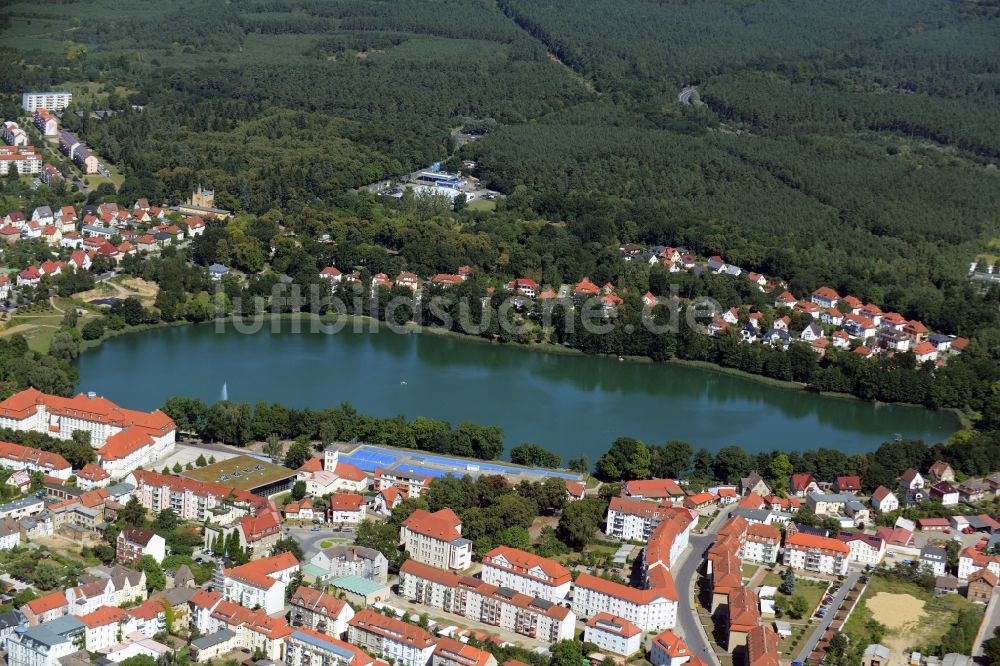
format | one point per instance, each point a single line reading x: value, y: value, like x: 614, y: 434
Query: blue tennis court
x: 369, y: 458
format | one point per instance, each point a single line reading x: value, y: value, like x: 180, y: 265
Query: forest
x: 852, y: 146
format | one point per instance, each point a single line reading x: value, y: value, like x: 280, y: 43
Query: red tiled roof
x: 317, y: 601
x: 48, y: 602
x: 91, y: 472
x: 46, y: 459
x: 625, y: 592
x: 311, y: 465
x: 613, y: 624
x: 443, y: 524
x: 349, y: 472
x: 524, y: 563
x: 762, y: 647
x: 654, y: 488
x: 462, y: 653
x: 802, y: 480
x: 147, y: 610
x: 347, y: 502
x: 804, y: 541
x: 392, y: 629
x: 258, y: 572
x: 103, y: 616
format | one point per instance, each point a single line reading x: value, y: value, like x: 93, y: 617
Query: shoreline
x: 368, y: 324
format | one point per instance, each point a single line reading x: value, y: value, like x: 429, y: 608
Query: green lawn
x: 749, y: 570
x: 483, y: 204
x: 811, y: 590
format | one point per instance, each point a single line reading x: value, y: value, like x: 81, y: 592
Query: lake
x: 571, y: 404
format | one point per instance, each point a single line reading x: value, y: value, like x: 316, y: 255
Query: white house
x: 613, y: 634
x: 865, y: 549
x: 391, y: 639
x: 809, y: 552
x: 260, y: 582
x: 884, y: 500
x: 526, y: 572
x: 651, y: 610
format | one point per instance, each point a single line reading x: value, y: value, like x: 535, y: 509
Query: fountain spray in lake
x: 224, y: 394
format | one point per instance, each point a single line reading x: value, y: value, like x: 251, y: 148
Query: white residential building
x: 651, y: 610
x: 865, y: 549
x: 810, y: 552
x: 391, y: 639
x: 45, y: 645
x: 613, y: 634
x: 436, y: 539
x: 260, y: 582
x: 53, y: 101
x: 632, y: 519
x: 971, y: 560
x: 480, y: 601
x: 884, y: 500
x: 526, y: 572
x: 306, y: 647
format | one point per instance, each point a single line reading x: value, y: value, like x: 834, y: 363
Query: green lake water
x: 568, y: 403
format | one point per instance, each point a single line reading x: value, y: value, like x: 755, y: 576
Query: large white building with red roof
x: 613, y: 634
x: 126, y: 439
x: 436, y: 539
x: 320, y: 611
x: 526, y: 572
x: 392, y: 639
x: 971, y: 560
x: 810, y: 552
x: 476, y: 599
x: 651, y: 609
x: 17, y: 457
x: 260, y: 582
x: 635, y: 520
x: 306, y: 647
x: 191, y: 499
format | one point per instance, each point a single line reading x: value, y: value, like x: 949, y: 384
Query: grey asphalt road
x: 989, y: 625
x: 821, y: 628
x: 688, y: 624
x: 310, y: 540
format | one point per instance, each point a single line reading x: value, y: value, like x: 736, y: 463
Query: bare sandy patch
x: 902, y: 614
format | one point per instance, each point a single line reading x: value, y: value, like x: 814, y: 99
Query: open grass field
x: 912, y: 616
x: 39, y: 323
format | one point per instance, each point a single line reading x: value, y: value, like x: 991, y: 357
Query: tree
x: 201, y: 462
x: 731, y: 464
x: 288, y: 545
x: 273, y: 447
x: 133, y: 513
x: 166, y: 521
x: 991, y: 649
x: 533, y: 455
x: 703, y: 465
x: 671, y: 460
x: 155, y: 580
x: 579, y: 521
x: 788, y: 582
x: 798, y: 606
x: 627, y: 459
x: 298, y: 454
x: 581, y: 464
x: 781, y: 470
x: 383, y: 537
x: 177, y: 468
x: 298, y: 490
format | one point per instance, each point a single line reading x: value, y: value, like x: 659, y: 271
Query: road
x: 838, y: 599
x: 688, y: 624
x: 310, y: 540
x: 688, y: 96
x: 990, y: 623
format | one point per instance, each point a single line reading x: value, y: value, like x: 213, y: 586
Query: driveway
x: 838, y: 600
x: 688, y: 624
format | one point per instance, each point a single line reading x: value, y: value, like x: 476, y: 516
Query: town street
x: 309, y: 540
x: 838, y: 599
x: 688, y: 624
